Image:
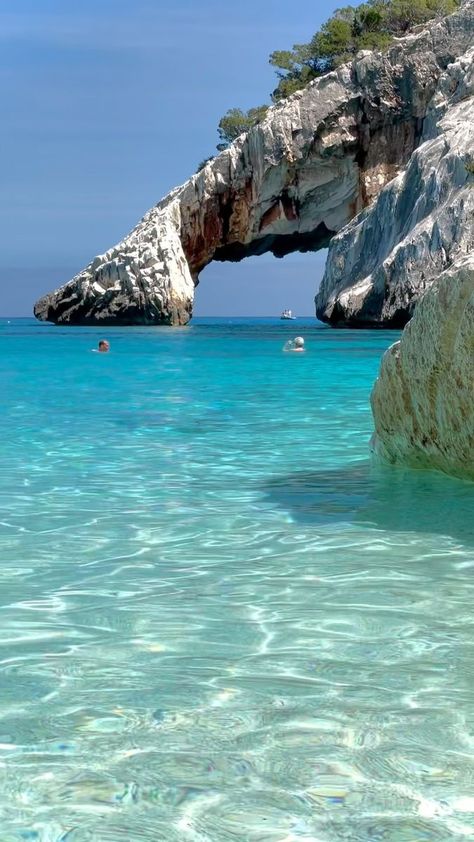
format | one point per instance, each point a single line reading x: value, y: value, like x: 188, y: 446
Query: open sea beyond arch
x: 218, y: 620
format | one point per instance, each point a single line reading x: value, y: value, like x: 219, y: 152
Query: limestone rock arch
x: 316, y: 161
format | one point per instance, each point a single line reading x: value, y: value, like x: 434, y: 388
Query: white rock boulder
x: 423, y: 400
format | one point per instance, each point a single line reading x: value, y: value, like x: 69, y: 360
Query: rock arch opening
x: 260, y: 286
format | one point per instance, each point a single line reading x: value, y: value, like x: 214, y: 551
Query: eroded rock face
x: 383, y: 262
x: 145, y: 279
x: 315, y: 162
x: 423, y: 400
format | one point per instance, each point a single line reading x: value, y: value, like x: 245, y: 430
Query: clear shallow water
x: 217, y: 621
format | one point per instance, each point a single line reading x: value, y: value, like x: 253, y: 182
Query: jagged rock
x: 293, y: 182
x: 421, y: 223
x: 143, y: 280
x: 423, y: 399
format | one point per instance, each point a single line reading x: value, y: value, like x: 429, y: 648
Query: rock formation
x: 420, y: 224
x: 297, y: 179
x: 423, y: 401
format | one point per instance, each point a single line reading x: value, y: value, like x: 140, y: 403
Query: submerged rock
x: 316, y: 161
x: 423, y: 400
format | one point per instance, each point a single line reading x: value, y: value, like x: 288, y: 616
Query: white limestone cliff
x: 297, y: 179
x: 420, y: 224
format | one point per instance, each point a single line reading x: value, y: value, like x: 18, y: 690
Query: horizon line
x: 202, y: 316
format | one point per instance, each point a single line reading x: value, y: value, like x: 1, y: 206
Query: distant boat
x: 288, y: 315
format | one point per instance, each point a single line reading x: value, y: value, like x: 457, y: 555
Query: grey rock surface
x: 297, y: 179
x: 423, y: 400
x: 421, y: 223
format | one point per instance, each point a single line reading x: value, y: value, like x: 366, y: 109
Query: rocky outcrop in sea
x: 423, y: 400
x: 370, y: 159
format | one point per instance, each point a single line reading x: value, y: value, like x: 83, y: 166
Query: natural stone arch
x: 294, y: 181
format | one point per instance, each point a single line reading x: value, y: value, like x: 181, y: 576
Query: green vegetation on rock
x: 235, y: 122
x: 204, y: 162
x: 370, y: 26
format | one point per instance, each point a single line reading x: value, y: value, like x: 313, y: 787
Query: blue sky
x: 106, y: 105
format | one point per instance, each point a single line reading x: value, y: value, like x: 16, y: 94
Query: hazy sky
x: 106, y: 105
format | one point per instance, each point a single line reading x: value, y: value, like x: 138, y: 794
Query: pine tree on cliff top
x: 370, y: 26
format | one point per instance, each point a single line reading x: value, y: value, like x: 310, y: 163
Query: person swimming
x: 296, y: 344
x: 103, y: 347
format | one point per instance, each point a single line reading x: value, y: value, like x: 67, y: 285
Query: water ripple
x: 218, y: 621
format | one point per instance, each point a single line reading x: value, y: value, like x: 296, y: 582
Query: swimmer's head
x: 104, y: 346
x: 299, y: 342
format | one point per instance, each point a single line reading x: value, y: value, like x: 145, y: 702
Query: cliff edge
x: 421, y: 223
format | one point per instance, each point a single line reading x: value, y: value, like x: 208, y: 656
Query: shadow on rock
x: 382, y: 498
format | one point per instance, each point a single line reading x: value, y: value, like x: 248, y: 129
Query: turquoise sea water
x: 217, y: 620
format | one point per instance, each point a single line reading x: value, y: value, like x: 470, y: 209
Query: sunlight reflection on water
x: 218, y: 620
